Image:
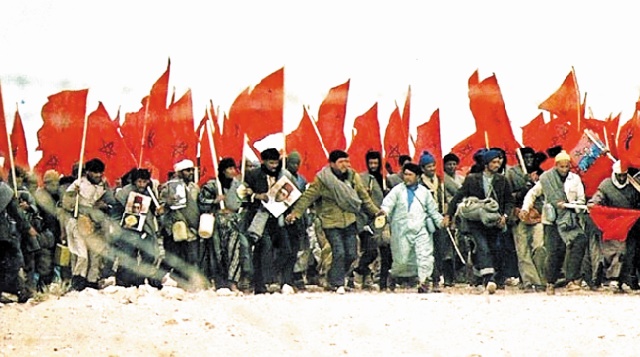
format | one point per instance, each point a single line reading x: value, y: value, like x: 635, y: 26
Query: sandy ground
x: 147, y: 322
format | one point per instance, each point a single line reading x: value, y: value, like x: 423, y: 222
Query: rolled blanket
x: 258, y: 223
x: 485, y: 210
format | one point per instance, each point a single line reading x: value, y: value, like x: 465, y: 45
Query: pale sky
x: 217, y: 48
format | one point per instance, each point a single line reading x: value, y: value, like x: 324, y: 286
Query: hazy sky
x: 217, y: 48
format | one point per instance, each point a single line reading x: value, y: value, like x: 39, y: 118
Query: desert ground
x: 144, y: 321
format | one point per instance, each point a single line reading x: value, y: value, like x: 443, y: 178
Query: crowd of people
x: 345, y: 230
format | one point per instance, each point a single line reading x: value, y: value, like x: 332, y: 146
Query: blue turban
x: 490, y: 155
x: 426, y: 158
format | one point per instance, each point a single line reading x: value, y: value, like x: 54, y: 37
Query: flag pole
x: 486, y: 140
x: 214, y: 155
x: 81, y: 164
x: 575, y: 80
x: 144, y: 129
x: 243, y: 165
x: 11, y: 159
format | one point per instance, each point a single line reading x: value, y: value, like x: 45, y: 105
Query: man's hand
x: 262, y: 197
x: 291, y: 218
x: 523, y: 214
x: 590, y: 205
x: 446, y: 222
x: 24, y: 205
x: 561, y: 204
x: 33, y: 232
x: 502, y: 222
x: 380, y: 213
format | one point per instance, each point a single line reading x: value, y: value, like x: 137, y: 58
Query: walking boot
x: 78, y: 283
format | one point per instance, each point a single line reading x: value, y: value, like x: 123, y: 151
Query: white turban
x: 183, y: 165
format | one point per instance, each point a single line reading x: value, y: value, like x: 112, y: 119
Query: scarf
x: 377, y: 175
x: 411, y: 194
x: 340, y: 191
x: 615, y: 182
x: 431, y: 185
x: 566, y: 219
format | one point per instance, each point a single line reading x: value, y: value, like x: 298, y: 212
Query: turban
x: 426, y: 158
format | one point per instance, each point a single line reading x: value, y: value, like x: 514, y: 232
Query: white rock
x: 224, y: 292
x: 171, y: 292
x: 287, y: 289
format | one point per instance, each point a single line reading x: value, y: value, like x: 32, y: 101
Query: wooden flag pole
x: 486, y: 140
x: 81, y: 164
x: 521, y: 159
x: 243, y: 165
x: 144, y: 130
x: 11, y: 160
x: 575, y: 80
x: 214, y: 156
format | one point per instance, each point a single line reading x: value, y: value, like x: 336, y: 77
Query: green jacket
x: 331, y: 215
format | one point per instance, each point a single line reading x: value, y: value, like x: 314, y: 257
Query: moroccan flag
x: 531, y: 134
x: 465, y: 150
x: 172, y: 138
x: 232, y: 129
x: 105, y: 143
x: 331, y: 117
x: 265, y: 112
x: 628, y: 143
x: 429, y: 139
x: 307, y: 143
x: 396, y: 139
x: 365, y: 137
x: 63, y: 117
x: 4, y: 140
x: 565, y: 102
x: 134, y: 123
x: 18, y: 145
x: 614, y: 223
x: 488, y: 109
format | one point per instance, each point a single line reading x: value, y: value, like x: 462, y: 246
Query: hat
x: 51, y: 176
x: 527, y: 150
x: 336, y: 155
x: 403, y: 158
x: 477, y: 156
x: 294, y: 157
x: 563, y: 156
x: 412, y: 167
x: 270, y: 154
x: 426, y: 158
x: 618, y: 169
x: 489, y: 155
x: 553, y: 151
x: 183, y: 165
x: 451, y: 157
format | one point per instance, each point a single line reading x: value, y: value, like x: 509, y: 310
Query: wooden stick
x: 606, y: 138
x: 598, y: 144
x: 144, y: 130
x: 243, y: 165
x: 456, y: 247
x: 521, y: 159
x: 575, y: 80
x: 486, y: 139
x: 315, y: 128
x: 84, y: 141
x: 13, y: 164
x: 214, y: 156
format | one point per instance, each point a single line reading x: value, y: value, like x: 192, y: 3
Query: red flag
x: 4, y: 140
x: 233, y: 132
x: 614, y: 223
x: 105, y: 143
x: 396, y: 139
x: 134, y: 124
x: 331, y: 117
x: 365, y: 137
x: 307, y: 143
x: 265, y: 113
x: 565, y: 102
x: 488, y: 109
x: 217, y: 135
x: 63, y: 117
x: 429, y: 140
x: 611, y: 126
x: 465, y: 150
x: 628, y: 144
x: 172, y: 139
x: 531, y: 134
x: 406, y: 113
x: 18, y: 145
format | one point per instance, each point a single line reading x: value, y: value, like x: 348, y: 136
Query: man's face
x: 94, y: 177
x: 52, y: 186
x: 281, y: 195
x: 271, y: 165
x: 373, y: 165
x: 450, y: 167
x: 341, y: 165
x: 563, y: 167
x: 409, y: 177
x: 141, y: 184
x: 186, y: 175
x: 230, y: 172
x: 494, y: 165
x: 429, y: 169
x: 622, y: 178
x: 528, y: 159
x: 293, y: 166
